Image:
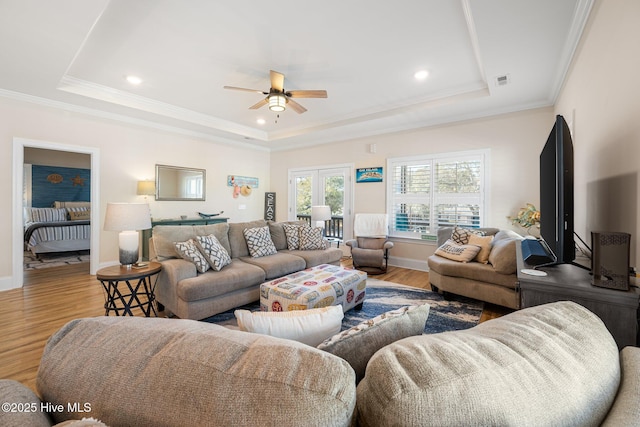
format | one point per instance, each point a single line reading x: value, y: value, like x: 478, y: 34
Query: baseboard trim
x: 412, y: 264
x: 6, y: 283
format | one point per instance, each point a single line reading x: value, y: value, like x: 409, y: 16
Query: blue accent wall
x: 51, y: 183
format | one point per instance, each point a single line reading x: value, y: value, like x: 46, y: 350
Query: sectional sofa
x: 549, y: 365
x: 190, y: 294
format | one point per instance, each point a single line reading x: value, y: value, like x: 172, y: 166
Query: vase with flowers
x: 528, y: 218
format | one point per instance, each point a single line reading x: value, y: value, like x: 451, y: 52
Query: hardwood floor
x: 52, y: 297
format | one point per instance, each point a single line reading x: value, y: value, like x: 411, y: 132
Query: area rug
x: 444, y: 315
x: 53, y: 259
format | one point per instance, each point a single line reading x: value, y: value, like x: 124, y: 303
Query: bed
x: 62, y: 228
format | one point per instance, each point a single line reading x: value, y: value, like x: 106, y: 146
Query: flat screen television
x: 556, y: 192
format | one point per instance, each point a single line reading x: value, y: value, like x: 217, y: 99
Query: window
x: 427, y: 192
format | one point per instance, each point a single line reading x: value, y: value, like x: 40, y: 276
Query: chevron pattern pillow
x: 311, y: 238
x: 461, y: 235
x: 189, y: 251
x: 259, y: 241
x: 215, y: 253
x: 293, y: 236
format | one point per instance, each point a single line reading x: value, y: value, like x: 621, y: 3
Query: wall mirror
x: 178, y: 183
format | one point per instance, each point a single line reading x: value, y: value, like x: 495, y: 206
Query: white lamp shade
x: 146, y: 188
x: 127, y: 216
x: 320, y: 213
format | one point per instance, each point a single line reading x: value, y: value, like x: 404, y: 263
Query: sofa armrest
x: 173, y: 271
x: 28, y: 413
x: 353, y: 243
x: 625, y: 409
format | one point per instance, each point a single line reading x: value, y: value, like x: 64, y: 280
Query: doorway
x: 19, y: 145
x: 330, y: 185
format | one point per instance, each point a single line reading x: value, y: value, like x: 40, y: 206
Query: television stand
x: 568, y: 282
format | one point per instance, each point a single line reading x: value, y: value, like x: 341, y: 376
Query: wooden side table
x: 138, y: 281
x: 617, y: 309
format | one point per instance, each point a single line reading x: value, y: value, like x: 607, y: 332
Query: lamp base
x: 129, y: 252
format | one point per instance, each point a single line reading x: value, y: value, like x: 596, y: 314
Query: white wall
x: 514, y: 141
x: 128, y: 153
x: 601, y: 97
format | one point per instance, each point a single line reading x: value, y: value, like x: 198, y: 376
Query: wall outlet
x: 242, y: 207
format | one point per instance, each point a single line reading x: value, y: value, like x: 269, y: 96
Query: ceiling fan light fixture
x: 277, y: 102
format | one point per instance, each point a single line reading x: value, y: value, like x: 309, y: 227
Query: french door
x: 323, y: 186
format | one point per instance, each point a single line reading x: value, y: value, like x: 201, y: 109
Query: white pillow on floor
x: 307, y: 326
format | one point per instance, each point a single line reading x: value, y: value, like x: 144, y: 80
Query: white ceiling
x: 75, y: 54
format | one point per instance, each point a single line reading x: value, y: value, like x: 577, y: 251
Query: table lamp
x: 320, y: 214
x: 128, y: 218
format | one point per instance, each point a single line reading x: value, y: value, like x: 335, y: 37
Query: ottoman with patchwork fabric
x: 315, y: 287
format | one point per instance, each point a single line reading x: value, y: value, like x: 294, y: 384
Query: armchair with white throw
x: 370, y: 248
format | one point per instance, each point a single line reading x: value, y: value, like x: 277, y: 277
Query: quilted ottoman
x: 315, y: 287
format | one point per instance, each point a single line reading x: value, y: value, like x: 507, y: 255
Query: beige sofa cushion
x: 471, y: 270
x: 550, y: 365
x: 171, y: 372
x: 13, y: 392
x: 164, y: 237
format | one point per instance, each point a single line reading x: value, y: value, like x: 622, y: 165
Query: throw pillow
x: 216, y: 254
x: 307, y: 326
x: 259, y: 241
x: 189, y: 251
x: 503, y: 255
x: 311, y: 238
x: 80, y: 214
x: 461, y: 235
x: 358, y: 344
x: 485, y: 247
x: 453, y: 251
x: 293, y: 236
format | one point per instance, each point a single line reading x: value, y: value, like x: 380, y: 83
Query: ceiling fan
x: 277, y: 98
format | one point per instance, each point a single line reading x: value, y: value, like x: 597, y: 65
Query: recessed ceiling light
x: 261, y: 121
x: 421, y: 75
x: 134, y: 80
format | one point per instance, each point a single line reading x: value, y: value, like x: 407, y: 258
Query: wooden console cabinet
x: 146, y: 234
x: 617, y: 309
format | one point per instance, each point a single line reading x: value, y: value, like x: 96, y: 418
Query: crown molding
x: 48, y: 103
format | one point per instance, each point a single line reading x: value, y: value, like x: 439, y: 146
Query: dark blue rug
x: 455, y: 314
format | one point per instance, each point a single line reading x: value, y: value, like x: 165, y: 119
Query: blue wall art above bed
x: 51, y: 183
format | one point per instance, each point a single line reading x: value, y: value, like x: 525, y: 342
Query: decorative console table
x: 146, y: 234
x: 566, y: 282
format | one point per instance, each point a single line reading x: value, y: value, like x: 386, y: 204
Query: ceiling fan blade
x: 296, y: 107
x: 259, y: 104
x: 277, y: 80
x: 244, y: 89
x: 307, y: 94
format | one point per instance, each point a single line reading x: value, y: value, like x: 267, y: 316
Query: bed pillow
x: 259, y: 241
x: 307, y: 326
x: 357, y: 344
x: 47, y: 214
x: 189, y: 251
x: 453, y: 251
x: 215, y: 253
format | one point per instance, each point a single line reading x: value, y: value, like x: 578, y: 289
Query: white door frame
x: 19, y: 145
x: 347, y: 229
